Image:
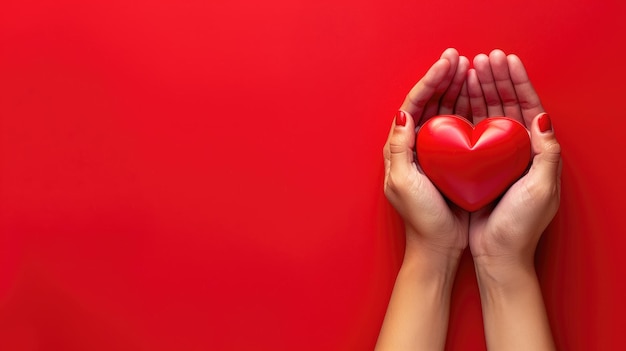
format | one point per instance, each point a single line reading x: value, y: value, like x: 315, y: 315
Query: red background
x: 207, y: 175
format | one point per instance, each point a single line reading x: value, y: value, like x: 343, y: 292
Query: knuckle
x: 396, y: 148
x: 418, y: 103
x: 553, y: 147
x: 447, y: 103
x: 493, y: 101
x: 552, y: 152
x: 392, y: 183
x: 395, y: 183
x: 540, y: 191
x: 479, y: 110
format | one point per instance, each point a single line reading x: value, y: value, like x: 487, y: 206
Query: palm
x: 435, y: 212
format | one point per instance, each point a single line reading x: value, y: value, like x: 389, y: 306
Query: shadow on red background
x: 208, y: 175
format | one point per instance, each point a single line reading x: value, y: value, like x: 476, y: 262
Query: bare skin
x: 502, y: 237
x: 436, y: 235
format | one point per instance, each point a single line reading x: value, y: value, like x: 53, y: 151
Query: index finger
x: 420, y: 94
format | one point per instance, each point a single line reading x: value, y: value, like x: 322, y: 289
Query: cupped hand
x: 508, y: 232
x: 430, y: 221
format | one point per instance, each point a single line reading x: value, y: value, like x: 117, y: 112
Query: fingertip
x: 450, y: 52
x: 404, y: 119
x: 513, y: 59
x: 541, y: 132
x: 497, y: 53
x: 482, y: 65
x: 544, y: 123
x: 497, y: 58
x: 547, y: 154
x: 452, y: 55
x: 400, y: 118
x: 480, y: 58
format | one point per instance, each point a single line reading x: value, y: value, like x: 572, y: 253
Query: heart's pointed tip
x: 473, y: 207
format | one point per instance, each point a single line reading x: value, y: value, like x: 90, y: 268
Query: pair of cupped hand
x: 509, y: 229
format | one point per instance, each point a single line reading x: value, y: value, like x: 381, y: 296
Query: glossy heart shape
x: 473, y: 165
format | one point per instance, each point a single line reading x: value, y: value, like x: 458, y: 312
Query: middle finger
x: 504, y: 85
x: 488, y: 85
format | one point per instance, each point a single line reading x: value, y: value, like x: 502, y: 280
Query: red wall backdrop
x: 207, y: 175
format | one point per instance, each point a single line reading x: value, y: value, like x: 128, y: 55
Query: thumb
x: 545, y: 146
x: 401, y: 143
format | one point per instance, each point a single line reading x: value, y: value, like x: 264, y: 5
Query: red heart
x: 470, y: 165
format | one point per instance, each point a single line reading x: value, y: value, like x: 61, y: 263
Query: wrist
x: 447, y: 250
x: 504, y: 272
x: 435, y: 278
x: 434, y: 263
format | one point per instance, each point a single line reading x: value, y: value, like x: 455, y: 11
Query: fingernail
x: 544, y: 122
x: 400, y: 118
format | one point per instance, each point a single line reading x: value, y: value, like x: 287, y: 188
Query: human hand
x: 506, y: 234
x: 430, y: 222
x: 436, y: 234
x: 503, y: 236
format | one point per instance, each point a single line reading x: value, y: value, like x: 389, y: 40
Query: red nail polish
x: 544, y: 122
x: 400, y: 118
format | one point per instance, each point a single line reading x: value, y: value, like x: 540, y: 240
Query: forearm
x: 513, y: 310
x: 418, y: 311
